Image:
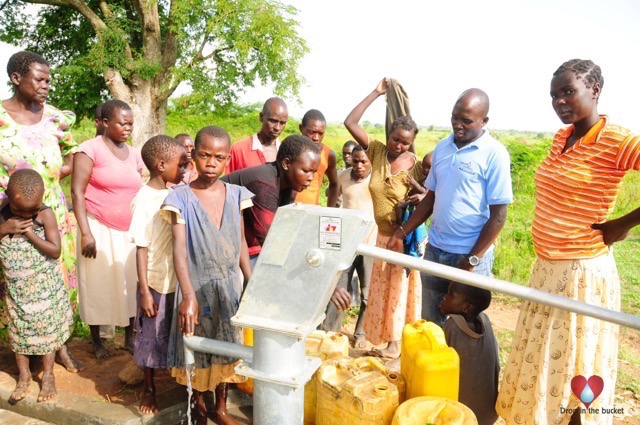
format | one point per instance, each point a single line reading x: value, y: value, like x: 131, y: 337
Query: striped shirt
x: 578, y: 188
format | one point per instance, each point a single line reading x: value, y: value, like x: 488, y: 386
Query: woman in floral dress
x: 37, y: 135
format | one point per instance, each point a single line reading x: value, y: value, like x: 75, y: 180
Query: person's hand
x: 16, y: 225
x: 612, y: 231
x: 382, y: 86
x: 341, y: 299
x: 396, y: 241
x: 147, y: 305
x: 188, y: 316
x: 88, y: 246
x: 415, y: 198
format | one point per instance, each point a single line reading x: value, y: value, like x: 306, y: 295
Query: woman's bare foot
x: 360, y: 343
x: 48, y: 387
x: 66, y: 359
x: 20, y: 391
x: 148, y: 404
x: 392, y: 351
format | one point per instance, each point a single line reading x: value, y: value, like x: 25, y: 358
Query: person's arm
x: 67, y: 166
x: 616, y: 230
x: 147, y: 305
x: 245, y: 263
x: 334, y: 186
x: 352, y: 120
x: 50, y: 245
x: 422, y: 212
x: 418, y: 192
x: 488, y: 234
x: 188, y: 308
x: 83, y: 166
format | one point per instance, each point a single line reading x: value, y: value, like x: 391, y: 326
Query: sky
x: 437, y: 49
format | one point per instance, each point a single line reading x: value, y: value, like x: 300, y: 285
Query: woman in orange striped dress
x: 576, y: 188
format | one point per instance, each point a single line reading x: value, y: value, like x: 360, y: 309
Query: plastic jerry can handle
x: 434, y: 342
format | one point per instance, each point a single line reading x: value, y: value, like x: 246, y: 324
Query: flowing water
x: 190, y: 368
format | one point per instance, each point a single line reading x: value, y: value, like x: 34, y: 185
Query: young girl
x: 208, y: 249
x: 106, y: 177
x: 37, y: 301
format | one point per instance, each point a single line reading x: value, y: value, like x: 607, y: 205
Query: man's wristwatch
x: 473, y: 260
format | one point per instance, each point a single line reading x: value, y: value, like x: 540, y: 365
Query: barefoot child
x: 468, y: 330
x: 166, y: 160
x: 106, y: 177
x: 209, y: 250
x: 37, y: 301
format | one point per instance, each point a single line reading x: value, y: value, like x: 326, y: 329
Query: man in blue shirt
x: 469, y: 190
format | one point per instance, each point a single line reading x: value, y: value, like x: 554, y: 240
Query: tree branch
x: 82, y: 7
x: 104, y: 7
x: 170, y: 50
x: 216, y: 52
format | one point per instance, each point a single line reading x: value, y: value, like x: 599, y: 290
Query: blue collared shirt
x: 466, y: 182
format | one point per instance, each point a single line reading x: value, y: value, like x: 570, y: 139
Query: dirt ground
x: 100, y: 379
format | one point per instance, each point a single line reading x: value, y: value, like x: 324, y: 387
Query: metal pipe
x: 278, y: 357
x: 219, y: 348
x: 498, y: 285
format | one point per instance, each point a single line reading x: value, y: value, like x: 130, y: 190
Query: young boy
x: 468, y: 330
x: 166, y: 160
x: 347, y: 152
x: 313, y: 126
x: 354, y: 186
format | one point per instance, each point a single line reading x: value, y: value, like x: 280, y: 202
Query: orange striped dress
x: 574, y: 189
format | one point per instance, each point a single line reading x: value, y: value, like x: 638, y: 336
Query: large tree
x: 140, y: 51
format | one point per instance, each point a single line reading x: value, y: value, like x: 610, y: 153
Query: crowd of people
x: 171, y: 256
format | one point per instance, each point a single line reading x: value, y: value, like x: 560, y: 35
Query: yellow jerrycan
x: 433, y: 410
x: 429, y: 367
x: 368, y: 364
x: 326, y: 345
x: 350, y: 396
x: 247, y: 386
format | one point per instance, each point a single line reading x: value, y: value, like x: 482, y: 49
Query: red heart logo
x: 587, y: 390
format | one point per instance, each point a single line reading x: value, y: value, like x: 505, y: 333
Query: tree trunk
x: 149, y: 113
x: 149, y: 116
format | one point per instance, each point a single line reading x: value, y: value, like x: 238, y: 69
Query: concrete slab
x: 7, y: 417
x: 72, y: 409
